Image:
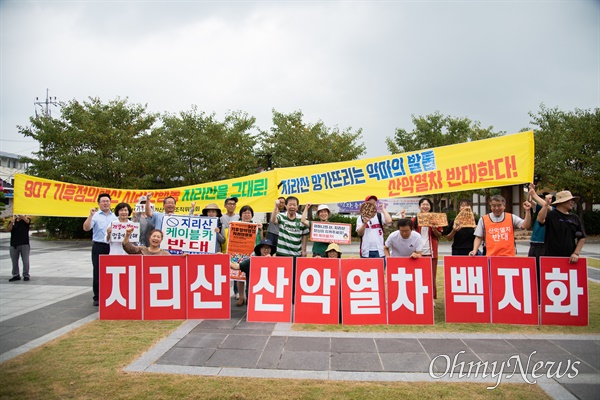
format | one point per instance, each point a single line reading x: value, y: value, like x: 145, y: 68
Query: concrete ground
x: 58, y: 298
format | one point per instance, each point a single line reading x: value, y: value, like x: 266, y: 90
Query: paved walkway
x: 58, y: 299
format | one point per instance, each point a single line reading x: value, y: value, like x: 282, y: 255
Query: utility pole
x: 45, y: 105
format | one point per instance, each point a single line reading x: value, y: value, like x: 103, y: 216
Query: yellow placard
x: 501, y: 161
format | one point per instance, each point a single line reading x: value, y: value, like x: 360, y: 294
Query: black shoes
x: 96, y: 303
x: 26, y: 278
x: 16, y: 278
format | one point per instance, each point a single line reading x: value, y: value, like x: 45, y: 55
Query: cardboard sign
x: 208, y: 294
x: 431, y: 219
x: 241, y: 241
x: 330, y: 233
x: 363, y: 291
x: 514, y: 290
x: 410, y: 290
x: 164, y: 280
x: 465, y: 218
x: 270, y: 289
x: 564, y: 291
x: 118, y: 230
x: 317, y: 291
x: 120, y: 292
x: 193, y: 235
x: 467, y: 289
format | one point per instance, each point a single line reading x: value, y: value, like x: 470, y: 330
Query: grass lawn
x: 88, y: 364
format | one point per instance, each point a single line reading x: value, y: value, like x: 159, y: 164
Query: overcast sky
x: 358, y: 64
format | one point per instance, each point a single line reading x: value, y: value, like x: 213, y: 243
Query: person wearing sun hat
x: 265, y: 248
x: 565, y: 235
x: 323, y: 212
x: 333, y: 251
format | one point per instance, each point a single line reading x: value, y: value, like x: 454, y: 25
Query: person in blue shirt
x: 98, y: 221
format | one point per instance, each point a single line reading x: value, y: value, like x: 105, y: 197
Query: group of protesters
x: 556, y: 232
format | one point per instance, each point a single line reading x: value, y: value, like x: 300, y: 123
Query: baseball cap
x: 371, y: 197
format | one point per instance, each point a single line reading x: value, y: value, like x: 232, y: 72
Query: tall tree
x: 92, y: 143
x: 567, y: 150
x: 196, y: 148
x: 292, y: 142
x: 436, y: 130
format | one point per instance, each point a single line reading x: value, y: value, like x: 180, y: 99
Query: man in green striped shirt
x: 293, y: 235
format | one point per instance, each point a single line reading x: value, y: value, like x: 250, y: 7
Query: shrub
x: 65, y: 228
x: 591, y: 221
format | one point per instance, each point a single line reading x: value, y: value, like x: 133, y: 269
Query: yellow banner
x: 502, y: 161
x: 38, y: 196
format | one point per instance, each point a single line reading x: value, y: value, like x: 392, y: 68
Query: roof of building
x: 10, y: 155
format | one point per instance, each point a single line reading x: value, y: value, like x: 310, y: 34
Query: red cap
x: 371, y: 197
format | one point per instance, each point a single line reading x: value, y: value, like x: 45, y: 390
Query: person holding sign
x: 265, y: 248
x: 145, y: 225
x: 212, y: 210
x: 430, y: 233
x: 122, y: 211
x: 323, y: 213
x: 154, y: 249
x: 369, y: 226
x: 461, y: 230
x: 246, y: 215
x: 155, y: 217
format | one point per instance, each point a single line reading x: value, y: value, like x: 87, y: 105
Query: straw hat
x: 334, y: 246
x: 564, y: 196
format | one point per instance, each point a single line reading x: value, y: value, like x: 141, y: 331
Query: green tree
x: 292, y: 142
x: 567, y: 151
x: 436, y: 130
x: 93, y: 143
x: 196, y: 148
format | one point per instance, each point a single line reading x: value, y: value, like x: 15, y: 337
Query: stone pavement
x: 58, y: 298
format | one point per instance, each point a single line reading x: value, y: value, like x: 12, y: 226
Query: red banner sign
x: 467, y: 289
x: 317, y: 291
x: 121, y: 287
x: 270, y: 289
x: 207, y: 293
x: 164, y: 287
x: 564, y: 291
x: 514, y: 291
x: 363, y: 292
x: 410, y: 291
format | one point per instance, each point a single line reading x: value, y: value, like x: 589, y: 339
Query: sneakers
x: 237, y: 296
x: 26, y: 278
x: 15, y: 278
x: 96, y: 303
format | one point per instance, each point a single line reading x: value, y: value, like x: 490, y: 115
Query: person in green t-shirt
x: 323, y: 213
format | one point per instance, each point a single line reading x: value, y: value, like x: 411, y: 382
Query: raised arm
x: 275, y: 212
x: 387, y: 218
x: 543, y: 213
x: 87, y: 224
x: 527, y: 221
x: 534, y: 196
x: 148, y: 207
x: 304, y: 218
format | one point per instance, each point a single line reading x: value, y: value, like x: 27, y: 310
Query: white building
x: 9, y: 166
